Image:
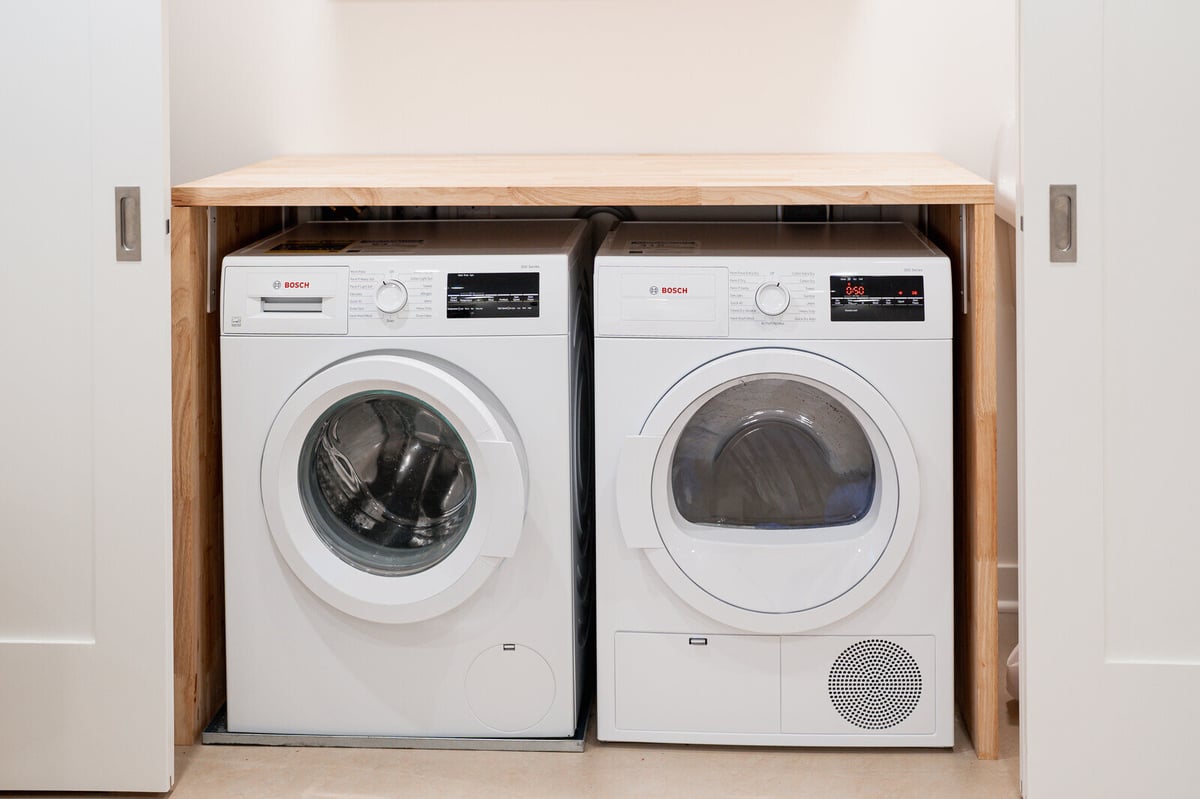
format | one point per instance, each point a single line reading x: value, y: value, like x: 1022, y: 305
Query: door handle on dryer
x: 509, y: 493
x: 635, y: 479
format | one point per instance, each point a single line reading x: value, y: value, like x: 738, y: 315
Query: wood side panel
x: 199, y: 563
x: 565, y: 180
x: 188, y: 250
x: 976, y: 611
x: 212, y: 549
x: 980, y: 600
x: 946, y: 230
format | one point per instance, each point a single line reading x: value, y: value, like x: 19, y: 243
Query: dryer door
x: 392, y: 488
x: 774, y: 490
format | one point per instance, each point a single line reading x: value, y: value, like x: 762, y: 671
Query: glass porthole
x: 387, y: 483
x: 773, y: 452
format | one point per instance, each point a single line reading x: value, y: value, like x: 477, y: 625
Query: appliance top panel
x: 898, y: 288
x: 405, y: 279
x: 801, y: 239
x: 445, y: 237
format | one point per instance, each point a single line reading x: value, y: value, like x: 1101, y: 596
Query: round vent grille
x: 875, y: 684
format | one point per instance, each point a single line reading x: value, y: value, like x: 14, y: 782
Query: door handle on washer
x: 509, y: 492
x: 635, y: 479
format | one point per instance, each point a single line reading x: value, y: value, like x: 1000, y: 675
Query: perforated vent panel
x: 875, y: 684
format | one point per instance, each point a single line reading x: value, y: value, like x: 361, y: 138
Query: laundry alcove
x: 215, y: 215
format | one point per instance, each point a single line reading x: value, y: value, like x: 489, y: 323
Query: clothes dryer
x: 404, y: 522
x: 774, y: 485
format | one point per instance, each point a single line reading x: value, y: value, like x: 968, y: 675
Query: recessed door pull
x: 698, y: 641
x: 128, y: 201
x: 1063, y: 224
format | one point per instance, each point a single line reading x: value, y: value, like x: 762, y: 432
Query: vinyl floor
x: 610, y: 770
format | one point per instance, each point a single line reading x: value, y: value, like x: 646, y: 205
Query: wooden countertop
x: 568, y: 180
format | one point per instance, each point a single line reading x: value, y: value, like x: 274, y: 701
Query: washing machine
x: 774, y: 485
x: 404, y: 502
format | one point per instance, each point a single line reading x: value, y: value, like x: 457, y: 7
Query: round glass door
x: 387, y: 483
x: 393, y: 487
x: 773, y: 453
x: 782, y: 486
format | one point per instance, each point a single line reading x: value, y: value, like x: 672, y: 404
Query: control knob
x: 772, y: 299
x: 391, y: 296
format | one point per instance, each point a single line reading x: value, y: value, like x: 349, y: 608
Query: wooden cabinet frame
x: 225, y: 211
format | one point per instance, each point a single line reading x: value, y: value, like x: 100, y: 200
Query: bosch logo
x: 653, y: 290
x: 294, y: 284
x: 276, y: 285
x: 674, y: 290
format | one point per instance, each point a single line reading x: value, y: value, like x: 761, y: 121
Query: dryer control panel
x: 774, y: 298
x: 877, y: 298
x: 772, y: 281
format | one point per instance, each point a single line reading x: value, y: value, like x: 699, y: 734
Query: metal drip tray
x: 217, y: 732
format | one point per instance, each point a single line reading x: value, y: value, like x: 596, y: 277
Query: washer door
x: 391, y: 488
x: 774, y: 490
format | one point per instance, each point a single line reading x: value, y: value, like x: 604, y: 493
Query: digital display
x: 491, y: 295
x: 870, y: 298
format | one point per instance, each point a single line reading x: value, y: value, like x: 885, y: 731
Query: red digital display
x: 877, y: 298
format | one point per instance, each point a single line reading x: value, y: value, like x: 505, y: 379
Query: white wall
x: 250, y: 80
x: 253, y: 80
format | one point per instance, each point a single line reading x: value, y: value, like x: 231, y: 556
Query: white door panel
x: 1151, y: 367
x: 85, y: 484
x: 1110, y: 509
x: 46, y: 588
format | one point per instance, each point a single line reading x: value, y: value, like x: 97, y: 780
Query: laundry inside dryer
x: 773, y: 452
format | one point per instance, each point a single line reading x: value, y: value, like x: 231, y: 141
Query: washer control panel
x: 397, y: 296
x: 389, y: 293
x: 408, y: 278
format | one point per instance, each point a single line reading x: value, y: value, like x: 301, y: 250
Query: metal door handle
x: 128, y: 201
x: 1063, y: 247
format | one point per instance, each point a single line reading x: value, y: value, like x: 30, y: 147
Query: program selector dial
x: 391, y: 296
x: 772, y: 299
